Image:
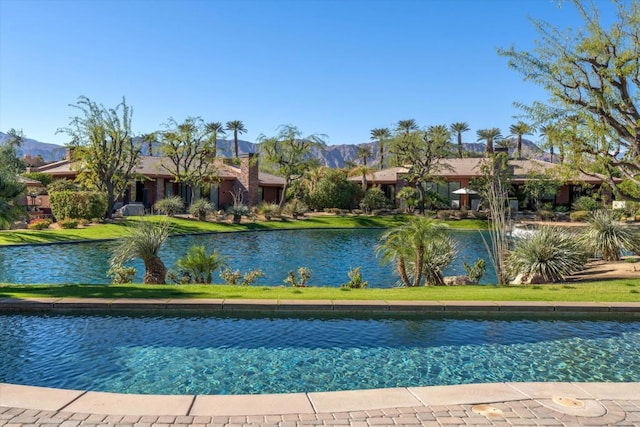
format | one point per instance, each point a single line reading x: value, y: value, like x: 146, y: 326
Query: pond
x: 250, y: 354
x: 330, y: 254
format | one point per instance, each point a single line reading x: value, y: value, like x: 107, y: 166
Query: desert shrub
x: 299, y: 281
x: 445, y: 214
x: 295, y: 208
x: 373, y: 199
x: 545, y: 215
x: 333, y: 190
x: 38, y: 224
x: 233, y: 277
x: 551, y: 253
x: 480, y: 215
x: 200, y: 209
x: 606, y: 237
x: 78, y: 204
x: 409, y: 196
x: 462, y: 214
x: 355, y: 279
x: 476, y: 271
x: 68, y: 223
x: 578, y: 216
x: 238, y: 211
x: 269, y: 210
x: 120, y: 274
x: 586, y: 203
x: 169, y: 206
x: 84, y: 222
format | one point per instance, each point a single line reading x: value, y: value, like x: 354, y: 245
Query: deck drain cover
x: 487, y: 411
x: 568, y: 402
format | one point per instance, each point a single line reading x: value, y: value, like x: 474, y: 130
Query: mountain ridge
x: 335, y: 156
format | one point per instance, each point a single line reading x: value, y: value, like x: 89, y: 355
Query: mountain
x: 49, y: 152
x: 334, y: 156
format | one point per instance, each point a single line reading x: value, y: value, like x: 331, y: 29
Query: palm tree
x: 364, y: 152
x: 381, y: 134
x: 489, y: 135
x: 550, y: 132
x: 198, y: 265
x: 215, y: 128
x: 149, y: 139
x: 144, y: 242
x: 519, y: 129
x: 406, y: 126
x: 458, y: 128
x: 238, y: 128
x: 420, y: 248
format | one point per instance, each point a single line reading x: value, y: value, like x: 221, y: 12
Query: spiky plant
x: 551, y: 253
x: 170, y: 205
x: 420, y: 248
x: 199, y: 265
x: 607, y: 238
x: 200, y: 209
x: 144, y: 242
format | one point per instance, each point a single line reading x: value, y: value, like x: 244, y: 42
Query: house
x: 155, y: 182
x: 456, y: 174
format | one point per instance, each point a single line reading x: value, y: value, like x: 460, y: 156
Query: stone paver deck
x: 500, y: 404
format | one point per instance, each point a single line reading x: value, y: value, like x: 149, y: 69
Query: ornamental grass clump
x: 607, y: 238
x: 170, y: 206
x: 548, y: 255
x: 200, y: 209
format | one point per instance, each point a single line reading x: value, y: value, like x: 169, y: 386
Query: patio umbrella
x: 465, y: 190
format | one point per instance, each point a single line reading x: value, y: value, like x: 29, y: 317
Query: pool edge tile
x: 250, y: 304
x: 94, y: 402
x: 38, y: 398
x: 466, y: 394
x: 546, y: 390
x: 362, y: 400
x: 612, y: 391
x: 305, y: 305
x: 251, y: 404
x: 213, y: 304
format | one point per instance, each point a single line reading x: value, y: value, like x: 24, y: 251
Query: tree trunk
x: 402, y: 271
x: 420, y: 189
x: 459, y: 145
x: 156, y: 272
x: 418, y: 267
x: 283, y: 198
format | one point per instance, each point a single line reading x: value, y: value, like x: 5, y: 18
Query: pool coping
x: 92, y: 402
x: 288, y: 305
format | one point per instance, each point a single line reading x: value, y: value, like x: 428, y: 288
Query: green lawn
x: 187, y: 226
x: 606, y: 291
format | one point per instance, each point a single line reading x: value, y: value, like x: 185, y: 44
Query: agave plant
x: 144, y: 242
x: 606, y: 237
x: 551, y: 253
x: 420, y: 248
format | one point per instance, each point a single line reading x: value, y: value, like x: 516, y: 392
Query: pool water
x: 200, y: 354
x: 330, y: 254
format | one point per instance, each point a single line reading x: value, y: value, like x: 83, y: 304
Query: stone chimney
x: 248, y: 179
x: 68, y: 154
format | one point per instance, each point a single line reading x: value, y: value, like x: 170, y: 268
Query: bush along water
x: 299, y: 281
x: 355, y: 279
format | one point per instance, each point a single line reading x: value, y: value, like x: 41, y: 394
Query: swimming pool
x: 329, y: 253
x: 248, y: 354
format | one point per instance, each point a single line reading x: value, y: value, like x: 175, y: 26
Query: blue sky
x: 339, y: 68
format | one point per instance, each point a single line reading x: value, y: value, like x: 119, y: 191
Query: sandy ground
x: 601, y: 270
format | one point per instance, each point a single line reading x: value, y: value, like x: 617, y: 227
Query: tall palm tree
x: 519, y: 129
x: 364, y: 152
x: 406, y: 126
x: 149, y: 139
x: 550, y: 132
x: 489, y: 135
x: 420, y: 248
x: 381, y: 134
x: 214, y: 129
x: 238, y: 128
x: 144, y: 242
x: 458, y: 128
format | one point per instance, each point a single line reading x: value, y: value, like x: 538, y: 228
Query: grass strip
x: 191, y: 226
x: 622, y: 290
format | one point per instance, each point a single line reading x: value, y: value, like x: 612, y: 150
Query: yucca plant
x: 269, y: 210
x: 170, y: 205
x: 198, y: 265
x: 551, y: 253
x: 607, y: 238
x: 200, y: 209
x: 144, y: 242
